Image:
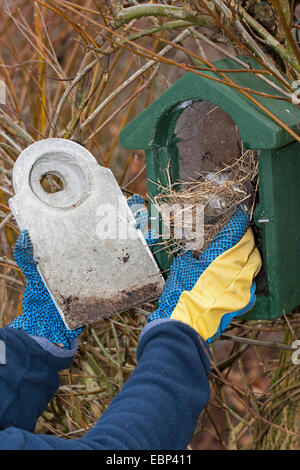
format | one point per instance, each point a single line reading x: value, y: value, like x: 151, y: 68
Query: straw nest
x: 217, y: 194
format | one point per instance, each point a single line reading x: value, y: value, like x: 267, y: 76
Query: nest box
x: 198, y: 119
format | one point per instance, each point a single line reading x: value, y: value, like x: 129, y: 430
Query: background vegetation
x: 82, y: 70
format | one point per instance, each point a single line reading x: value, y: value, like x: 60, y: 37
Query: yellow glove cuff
x: 224, y: 287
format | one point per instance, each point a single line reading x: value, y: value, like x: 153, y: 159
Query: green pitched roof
x: 257, y: 129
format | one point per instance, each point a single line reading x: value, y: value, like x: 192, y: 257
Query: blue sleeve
x: 157, y: 408
x: 29, y: 378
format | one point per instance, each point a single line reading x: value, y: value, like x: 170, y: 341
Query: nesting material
x: 218, y: 192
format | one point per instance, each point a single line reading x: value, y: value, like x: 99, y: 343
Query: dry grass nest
x: 218, y: 193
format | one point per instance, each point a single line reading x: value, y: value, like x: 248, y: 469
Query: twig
x: 124, y: 15
x: 290, y: 327
x: 77, y: 79
x: 255, y: 342
x: 137, y: 92
x: 5, y: 220
x: 131, y: 79
x: 5, y: 260
x: 271, y: 41
x: 246, y: 36
x: 237, y: 60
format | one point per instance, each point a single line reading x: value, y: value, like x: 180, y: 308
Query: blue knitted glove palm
x: 186, y: 270
x: 40, y: 316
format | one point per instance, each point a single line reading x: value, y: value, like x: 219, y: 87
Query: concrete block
x: 92, y: 259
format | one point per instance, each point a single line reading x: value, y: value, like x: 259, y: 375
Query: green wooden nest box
x: 277, y: 214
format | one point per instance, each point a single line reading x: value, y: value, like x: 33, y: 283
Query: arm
x: 157, y: 408
x: 29, y: 378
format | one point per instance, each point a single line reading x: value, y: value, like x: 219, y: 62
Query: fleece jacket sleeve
x: 28, y: 378
x: 157, y: 408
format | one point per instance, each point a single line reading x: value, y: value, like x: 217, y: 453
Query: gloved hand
x: 40, y: 316
x: 206, y: 293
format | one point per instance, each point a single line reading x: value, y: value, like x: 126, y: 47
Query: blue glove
x: 140, y: 212
x: 40, y: 316
x: 183, y: 298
